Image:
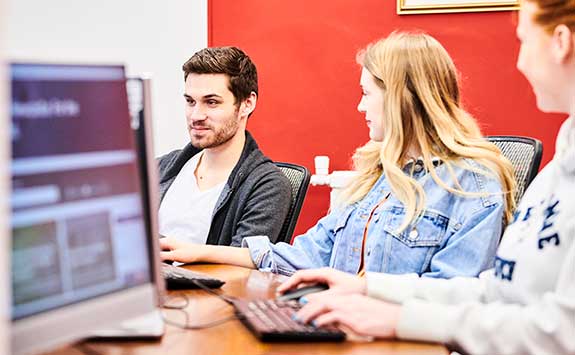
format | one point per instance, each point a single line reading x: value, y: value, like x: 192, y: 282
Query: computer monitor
x: 4, y: 209
x: 140, y: 101
x: 81, y: 257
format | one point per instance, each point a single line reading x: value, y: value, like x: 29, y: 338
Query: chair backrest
x: 298, y: 177
x: 525, y: 155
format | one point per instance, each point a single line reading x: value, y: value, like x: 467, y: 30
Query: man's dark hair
x: 231, y: 61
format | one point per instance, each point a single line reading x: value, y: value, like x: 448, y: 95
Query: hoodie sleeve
x: 400, y: 288
x: 459, y: 312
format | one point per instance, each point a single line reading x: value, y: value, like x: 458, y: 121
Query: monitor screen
x: 78, y: 225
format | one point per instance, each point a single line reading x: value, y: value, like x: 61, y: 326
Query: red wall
x: 305, y: 54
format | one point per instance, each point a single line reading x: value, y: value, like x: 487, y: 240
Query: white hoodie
x: 526, y: 304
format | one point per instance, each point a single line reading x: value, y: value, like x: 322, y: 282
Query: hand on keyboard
x: 272, y: 320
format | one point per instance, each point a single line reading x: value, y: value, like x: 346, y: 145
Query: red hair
x: 552, y: 13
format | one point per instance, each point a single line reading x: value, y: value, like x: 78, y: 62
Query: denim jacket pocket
x: 428, y: 230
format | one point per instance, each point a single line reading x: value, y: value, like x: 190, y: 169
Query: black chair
x: 299, y: 177
x: 525, y: 155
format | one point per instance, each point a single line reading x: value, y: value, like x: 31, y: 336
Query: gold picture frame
x: 408, y: 7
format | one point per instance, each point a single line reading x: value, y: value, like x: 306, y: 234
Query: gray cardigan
x: 254, y: 201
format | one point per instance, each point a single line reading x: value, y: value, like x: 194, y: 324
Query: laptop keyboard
x: 271, y: 321
x: 180, y: 278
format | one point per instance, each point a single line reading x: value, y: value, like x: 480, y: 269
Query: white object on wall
x: 148, y: 36
x: 336, y: 180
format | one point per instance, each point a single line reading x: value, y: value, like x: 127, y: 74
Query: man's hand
x: 175, y: 250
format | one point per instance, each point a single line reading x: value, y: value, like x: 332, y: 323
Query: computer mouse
x: 297, y: 293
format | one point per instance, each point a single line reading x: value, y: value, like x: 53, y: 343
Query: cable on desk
x: 227, y: 299
x: 166, y: 304
x: 187, y: 326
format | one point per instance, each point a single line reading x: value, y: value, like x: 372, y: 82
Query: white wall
x: 147, y: 35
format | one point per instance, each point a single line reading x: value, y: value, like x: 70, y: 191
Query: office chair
x: 298, y: 177
x: 525, y: 155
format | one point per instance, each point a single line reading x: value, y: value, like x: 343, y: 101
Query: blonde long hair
x: 422, y: 109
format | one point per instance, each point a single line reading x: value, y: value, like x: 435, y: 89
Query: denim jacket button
x: 413, y: 234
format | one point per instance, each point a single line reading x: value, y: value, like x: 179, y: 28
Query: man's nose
x: 196, y: 114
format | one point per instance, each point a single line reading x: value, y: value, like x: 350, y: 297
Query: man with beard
x: 221, y: 188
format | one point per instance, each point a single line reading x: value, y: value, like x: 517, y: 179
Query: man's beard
x: 218, y: 137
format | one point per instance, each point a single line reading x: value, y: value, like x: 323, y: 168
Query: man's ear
x: 563, y: 43
x: 249, y: 105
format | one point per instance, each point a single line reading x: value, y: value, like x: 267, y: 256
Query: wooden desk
x: 232, y: 337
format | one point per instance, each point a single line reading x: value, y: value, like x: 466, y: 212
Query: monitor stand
x: 149, y: 326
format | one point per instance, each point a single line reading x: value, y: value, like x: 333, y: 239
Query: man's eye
x: 212, y: 102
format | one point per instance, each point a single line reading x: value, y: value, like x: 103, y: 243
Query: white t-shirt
x: 186, y: 212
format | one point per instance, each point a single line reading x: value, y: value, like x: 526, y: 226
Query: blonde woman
x: 526, y: 303
x: 431, y: 196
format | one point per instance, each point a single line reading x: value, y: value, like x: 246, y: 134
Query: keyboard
x: 271, y: 321
x: 180, y: 278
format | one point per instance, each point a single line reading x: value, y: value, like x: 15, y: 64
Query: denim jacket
x: 455, y: 236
